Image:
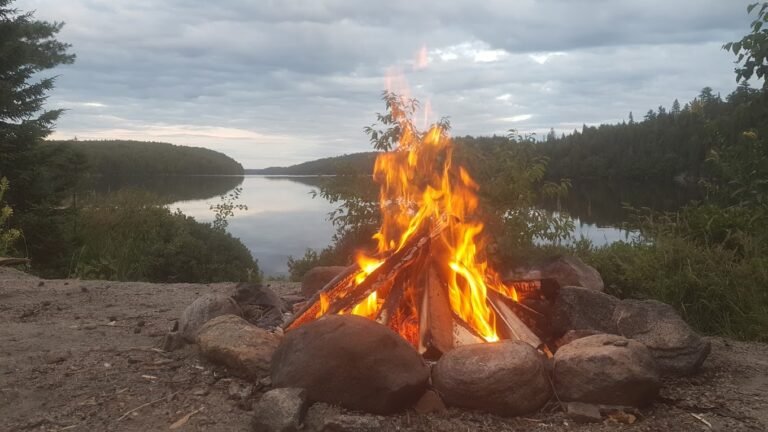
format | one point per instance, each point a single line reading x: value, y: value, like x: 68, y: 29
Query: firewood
x: 509, y: 323
x: 342, y: 293
x: 335, y: 287
x: 436, y: 317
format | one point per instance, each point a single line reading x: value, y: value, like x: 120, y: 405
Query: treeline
x: 355, y: 163
x: 133, y: 158
x: 664, y: 144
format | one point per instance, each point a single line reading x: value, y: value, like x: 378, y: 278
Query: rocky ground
x: 85, y: 355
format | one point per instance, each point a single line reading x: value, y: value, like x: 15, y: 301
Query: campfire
x: 429, y: 279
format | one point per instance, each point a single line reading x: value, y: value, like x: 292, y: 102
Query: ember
x: 428, y: 279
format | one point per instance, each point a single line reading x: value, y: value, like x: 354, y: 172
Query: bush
x: 8, y: 236
x: 715, y: 289
x: 131, y: 238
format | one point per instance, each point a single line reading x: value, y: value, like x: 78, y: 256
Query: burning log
x: 312, y: 307
x: 440, y: 330
x: 513, y: 326
x: 343, y: 294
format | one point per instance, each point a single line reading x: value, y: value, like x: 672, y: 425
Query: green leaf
x: 751, y: 7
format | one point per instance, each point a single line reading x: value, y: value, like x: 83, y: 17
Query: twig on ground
x: 182, y: 421
x: 700, y: 418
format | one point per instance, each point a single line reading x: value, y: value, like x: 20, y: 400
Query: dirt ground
x: 83, y: 356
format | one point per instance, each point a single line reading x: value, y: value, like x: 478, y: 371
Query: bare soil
x: 84, y: 356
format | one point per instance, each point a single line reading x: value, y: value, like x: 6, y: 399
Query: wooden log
x: 440, y: 329
x: 435, y: 317
x: 13, y: 261
x: 345, y: 294
x: 509, y: 324
x: 399, y: 286
x: 333, y: 288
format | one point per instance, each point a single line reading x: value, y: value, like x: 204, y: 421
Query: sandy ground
x: 83, y: 356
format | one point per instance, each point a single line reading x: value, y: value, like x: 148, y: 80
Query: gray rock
x: 202, y: 310
x: 280, y: 410
x: 240, y: 346
x: 572, y: 271
x: 316, y: 278
x: 583, y: 413
x: 606, y: 369
x: 578, y: 308
x: 507, y: 378
x: 678, y: 350
x: 351, y: 361
x: 248, y: 293
x: 173, y: 341
x: 430, y: 402
x: 239, y: 391
x: 572, y: 335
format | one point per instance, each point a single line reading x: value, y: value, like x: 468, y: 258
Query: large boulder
x: 351, y: 361
x: 606, y: 369
x: 280, y: 410
x: 202, y: 310
x: 678, y: 350
x: 570, y: 270
x: 579, y: 308
x: 246, y: 350
x: 507, y: 378
x: 318, y: 277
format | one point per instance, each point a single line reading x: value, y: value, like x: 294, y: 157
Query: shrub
x: 132, y: 238
x: 715, y: 289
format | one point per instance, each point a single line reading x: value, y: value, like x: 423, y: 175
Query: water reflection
x: 283, y: 219
x: 167, y: 188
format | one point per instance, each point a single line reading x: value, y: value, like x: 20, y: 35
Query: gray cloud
x: 278, y: 82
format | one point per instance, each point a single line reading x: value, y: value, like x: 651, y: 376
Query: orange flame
x: 419, y: 187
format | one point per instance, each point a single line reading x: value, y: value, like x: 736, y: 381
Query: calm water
x: 283, y: 219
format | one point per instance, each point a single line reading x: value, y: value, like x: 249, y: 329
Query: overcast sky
x: 276, y: 82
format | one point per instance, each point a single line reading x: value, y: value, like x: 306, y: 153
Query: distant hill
x: 129, y: 158
x: 355, y: 163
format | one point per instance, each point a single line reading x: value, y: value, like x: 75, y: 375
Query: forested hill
x: 128, y: 158
x: 355, y: 163
x: 665, y: 143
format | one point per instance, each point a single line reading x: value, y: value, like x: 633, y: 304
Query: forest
x: 138, y: 158
x: 43, y: 213
x: 708, y: 259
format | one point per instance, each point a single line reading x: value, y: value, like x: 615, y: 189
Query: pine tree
x: 676, y: 107
x: 27, y: 47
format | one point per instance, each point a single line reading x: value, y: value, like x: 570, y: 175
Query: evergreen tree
x: 27, y: 48
x: 676, y: 107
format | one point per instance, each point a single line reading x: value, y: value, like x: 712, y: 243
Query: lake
x: 283, y: 219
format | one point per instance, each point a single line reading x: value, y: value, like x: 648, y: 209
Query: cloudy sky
x: 276, y: 82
